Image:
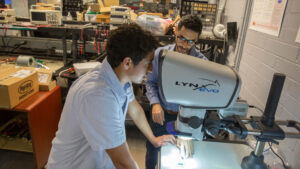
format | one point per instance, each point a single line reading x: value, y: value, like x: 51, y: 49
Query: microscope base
x: 253, y: 162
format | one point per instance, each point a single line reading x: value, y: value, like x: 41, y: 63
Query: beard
x: 183, y: 50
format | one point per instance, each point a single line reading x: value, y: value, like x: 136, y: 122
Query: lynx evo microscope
x: 207, y: 93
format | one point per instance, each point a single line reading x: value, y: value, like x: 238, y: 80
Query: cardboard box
x: 44, y: 78
x: 5, y: 67
x: 103, y: 18
x: 16, y: 85
x: 47, y: 87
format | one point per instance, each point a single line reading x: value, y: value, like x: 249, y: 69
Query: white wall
x: 263, y: 55
x: 22, y: 7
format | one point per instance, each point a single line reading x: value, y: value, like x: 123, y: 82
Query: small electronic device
x: 119, y: 15
x: 7, y: 15
x: 232, y: 33
x: 46, y: 17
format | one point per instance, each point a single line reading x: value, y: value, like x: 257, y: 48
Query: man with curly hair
x: 187, y: 34
x: 91, y: 132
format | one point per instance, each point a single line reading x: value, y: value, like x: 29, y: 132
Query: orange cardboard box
x: 16, y: 85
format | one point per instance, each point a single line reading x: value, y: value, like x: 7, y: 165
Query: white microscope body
x: 196, y: 85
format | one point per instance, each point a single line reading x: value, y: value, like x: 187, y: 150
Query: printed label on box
x: 22, y: 73
x: 43, y: 77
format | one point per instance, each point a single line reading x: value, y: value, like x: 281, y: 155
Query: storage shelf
x: 15, y: 144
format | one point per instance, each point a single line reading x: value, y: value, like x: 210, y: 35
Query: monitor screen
x: 8, y: 2
x: 38, y: 16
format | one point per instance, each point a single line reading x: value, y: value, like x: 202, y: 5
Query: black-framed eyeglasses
x: 183, y: 39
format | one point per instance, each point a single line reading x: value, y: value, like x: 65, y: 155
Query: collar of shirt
x: 193, y: 51
x: 112, y: 80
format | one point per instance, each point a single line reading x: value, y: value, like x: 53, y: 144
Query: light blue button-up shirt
x: 153, y: 93
x: 92, y: 121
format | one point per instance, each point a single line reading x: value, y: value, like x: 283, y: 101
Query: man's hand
x: 163, y: 140
x: 158, y: 114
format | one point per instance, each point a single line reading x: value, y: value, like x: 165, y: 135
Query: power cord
x: 63, y: 71
x: 4, y: 35
x: 283, y: 163
x: 252, y: 106
x: 16, y: 46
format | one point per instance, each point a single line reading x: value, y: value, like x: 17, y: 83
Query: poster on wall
x: 267, y: 16
x: 298, y: 36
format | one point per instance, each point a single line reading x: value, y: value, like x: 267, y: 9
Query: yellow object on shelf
x: 103, y: 9
x: 103, y: 18
x: 111, y: 3
x: 133, y: 16
x: 43, y: 6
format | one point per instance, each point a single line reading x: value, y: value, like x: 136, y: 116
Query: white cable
x: 62, y: 72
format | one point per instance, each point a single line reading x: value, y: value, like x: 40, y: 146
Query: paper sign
x: 267, y: 16
x: 298, y: 36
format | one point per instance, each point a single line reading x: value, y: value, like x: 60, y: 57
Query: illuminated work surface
x: 207, y: 155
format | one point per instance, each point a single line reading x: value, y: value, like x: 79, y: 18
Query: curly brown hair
x: 191, y: 22
x: 129, y: 40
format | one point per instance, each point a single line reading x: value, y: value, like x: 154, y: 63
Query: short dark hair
x: 129, y: 40
x: 191, y: 22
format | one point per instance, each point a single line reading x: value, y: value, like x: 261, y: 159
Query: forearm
x: 137, y: 114
x: 139, y: 118
x: 121, y: 157
x: 127, y: 165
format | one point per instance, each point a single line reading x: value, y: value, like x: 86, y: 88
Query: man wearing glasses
x: 187, y: 34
